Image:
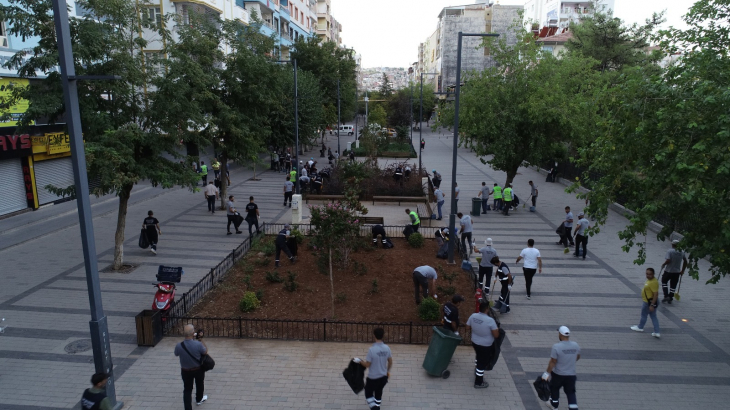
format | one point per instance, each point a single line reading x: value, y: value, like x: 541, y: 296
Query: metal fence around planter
x: 309, y: 330
x: 392, y: 231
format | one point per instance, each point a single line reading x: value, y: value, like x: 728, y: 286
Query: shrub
x: 297, y: 234
x: 269, y: 248
x: 341, y: 297
x: 358, y: 268
x: 416, y: 240
x: 247, y: 281
x: 274, y: 277
x: 291, y: 284
x: 450, y: 277
x: 429, y: 309
x: 446, y: 291
x: 249, y: 302
x: 374, y: 287
x: 260, y: 294
x: 262, y: 262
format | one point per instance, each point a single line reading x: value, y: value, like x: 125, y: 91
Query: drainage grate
x: 78, y: 346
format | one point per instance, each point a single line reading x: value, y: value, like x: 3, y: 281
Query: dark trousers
x: 253, y: 222
x: 378, y: 230
x: 671, y: 279
x: 152, y: 238
x: 485, y: 204
x: 211, y: 203
x: 416, y: 226
x: 505, y: 207
x: 420, y: 280
x: 231, y: 220
x: 485, y: 273
x: 568, y: 384
x: 374, y: 391
x: 281, y: 246
x: 204, y: 178
x: 534, y: 200
x: 483, y: 355
x: 504, y: 294
x: 529, y: 274
x: 197, y: 376
x: 581, y: 240
x: 497, y: 204
x: 217, y: 173
x: 567, y: 238
x: 466, y: 245
x: 288, y: 195
x: 436, y: 183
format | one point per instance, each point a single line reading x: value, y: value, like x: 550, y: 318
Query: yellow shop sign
x: 58, y: 143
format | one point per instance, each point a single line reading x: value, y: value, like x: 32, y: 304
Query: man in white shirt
x: 211, y: 194
x: 533, y: 263
x: 439, y: 201
x: 466, y: 230
x: 456, y: 195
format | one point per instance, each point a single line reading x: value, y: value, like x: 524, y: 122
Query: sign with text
x: 15, y: 146
x: 58, y: 142
x: 7, y: 85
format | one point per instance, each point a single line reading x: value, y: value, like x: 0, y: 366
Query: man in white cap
x: 581, y: 238
x: 486, y: 269
x: 674, y: 265
x: 561, y: 370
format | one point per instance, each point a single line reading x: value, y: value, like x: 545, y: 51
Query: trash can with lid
x: 440, y: 350
x: 476, y: 206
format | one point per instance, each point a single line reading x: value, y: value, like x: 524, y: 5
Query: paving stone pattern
x: 43, y: 297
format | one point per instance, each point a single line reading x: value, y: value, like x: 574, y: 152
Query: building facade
x: 328, y: 28
x: 557, y: 13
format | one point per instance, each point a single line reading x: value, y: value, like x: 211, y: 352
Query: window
x: 152, y: 17
x: 153, y: 62
x: 240, y: 4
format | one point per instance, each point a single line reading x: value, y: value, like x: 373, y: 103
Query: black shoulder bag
x: 206, y: 362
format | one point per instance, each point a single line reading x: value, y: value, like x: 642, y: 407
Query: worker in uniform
x: 507, y: 199
x: 497, y: 195
x: 484, y: 331
x: 505, y: 278
x: 378, y: 230
x: 317, y: 183
x: 451, y: 314
x: 398, y: 173
x: 304, y: 182
x: 204, y: 173
x: 415, y: 220
x: 216, y: 168
x: 280, y: 242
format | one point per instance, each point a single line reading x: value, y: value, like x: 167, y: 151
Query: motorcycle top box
x: 169, y: 274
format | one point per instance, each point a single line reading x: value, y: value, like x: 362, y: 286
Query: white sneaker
x: 636, y: 328
x: 205, y: 397
x: 549, y: 405
x: 153, y: 251
x: 657, y: 335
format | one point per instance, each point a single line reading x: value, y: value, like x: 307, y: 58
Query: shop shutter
x: 12, y: 188
x: 56, y: 172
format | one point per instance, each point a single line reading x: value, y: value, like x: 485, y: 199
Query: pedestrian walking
x: 675, y: 262
x: 287, y: 161
x: 484, y: 194
x: 423, y: 144
x: 152, y: 228
x: 533, y: 193
x: 425, y: 278
x: 484, y: 331
x: 436, y: 179
x: 281, y: 245
x: 649, y: 295
x: 293, y: 174
x: 216, y: 168
x: 485, y: 265
x: 451, y: 314
x: 466, y: 230
x: 532, y: 264
x: 379, y: 361
x: 507, y: 198
x: 456, y: 195
x: 415, y: 220
x: 231, y: 214
x: 190, y: 351
x: 288, y: 190
x: 497, y: 192
x: 554, y: 172
x: 581, y: 238
x: 94, y: 398
x: 440, y: 199
x: 204, y: 173
x: 252, y: 216
x: 211, y: 194
x: 506, y: 280
x: 565, y: 237
x: 561, y: 370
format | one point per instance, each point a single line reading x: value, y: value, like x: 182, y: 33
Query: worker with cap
x: 561, y: 370
x: 280, y: 242
x: 486, y: 269
x: 484, y: 331
x: 451, y: 314
x: 675, y: 262
x: 581, y: 238
x: 436, y: 179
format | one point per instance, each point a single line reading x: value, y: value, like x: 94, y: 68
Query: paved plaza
x: 44, y: 300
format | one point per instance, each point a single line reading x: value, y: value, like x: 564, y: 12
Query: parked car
x: 349, y: 129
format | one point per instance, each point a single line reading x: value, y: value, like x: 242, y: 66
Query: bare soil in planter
x: 354, y: 301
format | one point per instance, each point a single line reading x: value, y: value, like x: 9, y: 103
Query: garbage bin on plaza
x: 440, y: 350
x: 476, y: 206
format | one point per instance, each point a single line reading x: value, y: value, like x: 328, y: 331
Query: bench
x: 372, y: 220
x: 332, y: 198
x: 424, y: 212
x: 398, y: 199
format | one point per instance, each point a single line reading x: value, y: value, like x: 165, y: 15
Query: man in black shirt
x: 281, y: 245
x: 451, y: 314
x: 252, y: 216
x: 152, y: 227
x: 95, y: 398
x: 317, y: 183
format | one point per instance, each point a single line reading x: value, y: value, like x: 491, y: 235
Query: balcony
x: 207, y: 6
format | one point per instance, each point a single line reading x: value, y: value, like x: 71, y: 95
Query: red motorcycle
x: 167, y: 277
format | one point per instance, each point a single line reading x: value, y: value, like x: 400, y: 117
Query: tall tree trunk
x: 224, y: 179
x: 121, y: 223
x: 332, y: 286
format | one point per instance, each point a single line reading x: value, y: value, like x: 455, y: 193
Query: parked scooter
x: 167, y: 277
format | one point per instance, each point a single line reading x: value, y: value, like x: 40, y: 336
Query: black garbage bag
x: 496, y: 349
x: 388, y: 244
x: 542, y: 387
x: 144, y: 243
x: 408, y: 231
x: 354, y: 374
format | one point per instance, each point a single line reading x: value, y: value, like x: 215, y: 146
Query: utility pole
x: 296, y: 124
x: 338, y: 118
x: 420, y: 124
x: 98, y: 324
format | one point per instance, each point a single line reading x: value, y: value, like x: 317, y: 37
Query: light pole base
x: 118, y: 406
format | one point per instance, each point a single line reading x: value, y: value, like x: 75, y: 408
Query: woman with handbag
x: 192, y: 353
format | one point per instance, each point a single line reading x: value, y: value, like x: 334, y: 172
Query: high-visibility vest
x: 498, y: 192
x: 216, y: 166
x: 415, y: 215
x: 203, y: 170
x: 507, y: 194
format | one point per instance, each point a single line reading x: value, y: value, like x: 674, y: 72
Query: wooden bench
x: 331, y: 198
x: 372, y: 220
x: 424, y: 208
x: 398, y: 199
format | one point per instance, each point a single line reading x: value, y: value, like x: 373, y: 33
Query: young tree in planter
x: 123, y: 145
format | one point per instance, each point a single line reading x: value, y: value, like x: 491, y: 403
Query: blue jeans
x: 497, y: 204
x: 440, y: 204
x: 485, y: 204
x: 644, y: 313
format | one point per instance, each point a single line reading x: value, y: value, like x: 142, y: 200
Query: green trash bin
x: 476, y: 206
x: 440, y: 350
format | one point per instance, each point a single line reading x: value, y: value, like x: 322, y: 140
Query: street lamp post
x: 452, y: 216
x: 338, y: 117
x: 420, y: 124
x: 296, y: 120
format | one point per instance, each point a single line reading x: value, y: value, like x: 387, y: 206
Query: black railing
x: 309, y: 330
x: 392, y: 231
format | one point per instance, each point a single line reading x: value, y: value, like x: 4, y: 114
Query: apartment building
x: 557, y: 13
x: 437, y: 54
x: 328, y: 28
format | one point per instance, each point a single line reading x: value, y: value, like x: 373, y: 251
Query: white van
x: 349, y: 129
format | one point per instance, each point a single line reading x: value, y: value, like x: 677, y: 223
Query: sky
x: 387, y: 32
